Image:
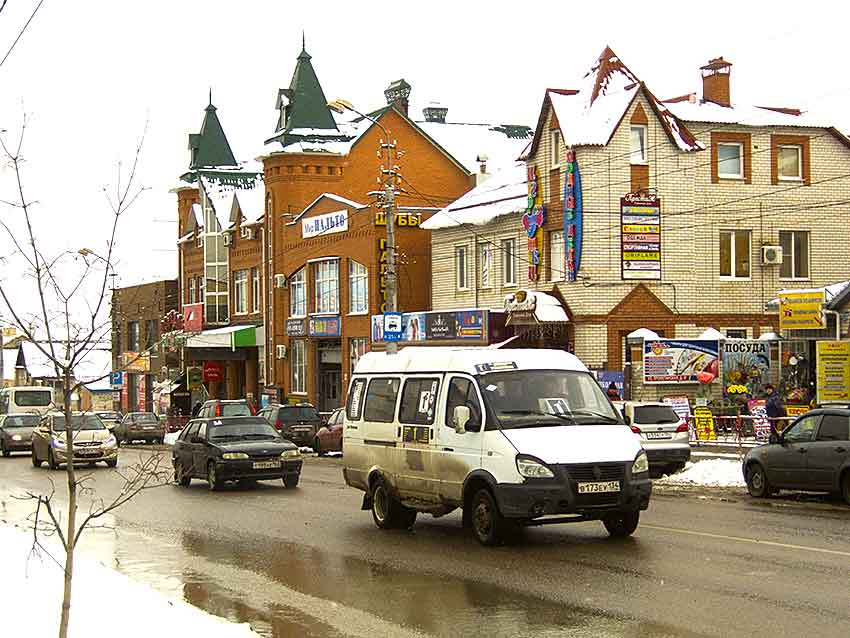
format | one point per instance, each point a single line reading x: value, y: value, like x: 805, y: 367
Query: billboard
x: 640, y: 236
x: 678, y: 360
x: 801, y: 310
x: 453, y: 325
x: 745, y: 363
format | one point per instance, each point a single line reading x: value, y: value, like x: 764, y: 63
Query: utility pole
x: 390, y: 173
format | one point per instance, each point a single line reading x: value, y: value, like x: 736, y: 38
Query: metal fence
x: 739, y: 429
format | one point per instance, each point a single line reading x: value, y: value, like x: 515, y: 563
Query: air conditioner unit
x: 227, y: 239
x: 771, y: 255
x: 281, y: 352
x: 280, y: 281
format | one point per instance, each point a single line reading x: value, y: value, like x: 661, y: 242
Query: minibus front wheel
x: 387, y: 512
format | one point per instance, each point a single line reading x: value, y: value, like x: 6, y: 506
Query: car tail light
x: 218, y: 409
x: 278, y: 425
x: 635, y: 429
x: 683, y: 427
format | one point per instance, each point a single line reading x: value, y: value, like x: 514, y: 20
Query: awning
x: 529, y: 308
x: 231, y: 337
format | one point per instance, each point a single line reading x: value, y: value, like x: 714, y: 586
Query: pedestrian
x: 612, y: 392
x: 773, y: 406
x: 196, y: 408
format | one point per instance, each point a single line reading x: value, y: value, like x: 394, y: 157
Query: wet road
x: 308, y: 562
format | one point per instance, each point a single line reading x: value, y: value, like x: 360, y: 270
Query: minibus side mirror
x: 461, y: 416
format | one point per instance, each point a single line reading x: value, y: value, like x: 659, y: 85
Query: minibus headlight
x: 532, y: 468
x: 641, y: 463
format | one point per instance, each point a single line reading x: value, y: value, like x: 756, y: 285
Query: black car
x: 298, y: 423
x: 244, y: 448
x: 812, y: 454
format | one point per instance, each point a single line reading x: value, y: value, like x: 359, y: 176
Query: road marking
x: 754, y: 541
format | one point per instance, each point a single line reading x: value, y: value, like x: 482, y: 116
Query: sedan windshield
x: 22, y: 421
x: 235, y: 409
x: 534, y: 398
x: 78, y: 422
x: 244, y: 430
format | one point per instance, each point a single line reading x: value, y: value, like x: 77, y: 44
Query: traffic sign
x: 392, y: 326
x: 116, y: 379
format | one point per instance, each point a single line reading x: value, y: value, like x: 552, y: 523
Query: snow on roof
x: 643, y: 333
x: 711, y: 334
x: 252, y: 202
x: 547, y: 308
x: 746, y: 115
x: 467, y: 142
x: 504, y: 193
x: 220, y: 196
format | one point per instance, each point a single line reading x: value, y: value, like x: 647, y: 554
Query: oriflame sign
x: 532, y: 221
x: 640, y: 216
x: 572, y: 218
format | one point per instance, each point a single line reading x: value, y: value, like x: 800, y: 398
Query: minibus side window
x: 4, y: 402
x: 380, y: 400
x: 418, y: 400
x: 355, y: 400
x: 462, y: 392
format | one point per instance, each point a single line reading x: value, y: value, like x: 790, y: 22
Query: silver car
x: 663, y: 434
x: 91, y: 442
x: 16, y: 432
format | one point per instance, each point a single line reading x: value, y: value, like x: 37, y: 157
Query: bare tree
x: 68, y: 322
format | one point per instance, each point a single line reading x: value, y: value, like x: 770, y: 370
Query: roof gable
x: 348, y: 203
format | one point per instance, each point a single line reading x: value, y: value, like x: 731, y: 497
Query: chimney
x: 397, y: 93
x: 715, y: 82
x: 435, y: 112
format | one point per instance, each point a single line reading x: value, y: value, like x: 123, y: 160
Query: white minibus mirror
x: 461, y: 417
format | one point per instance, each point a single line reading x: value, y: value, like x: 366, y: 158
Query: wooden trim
x: 553, y: 122
x: 790, y: 140
x: 739, y: 138
x: 640, y: 177
x: 639, y: 115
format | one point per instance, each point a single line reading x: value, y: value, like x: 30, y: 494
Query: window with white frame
x: 555, y: 143
x: 298, y: 294
x: 556, y: 256
x: 638, y: 144
x: 193, y: 291
x: 736, y: 333
x: 735, y: 254
x: 255, y: 290
x: 358, y: 288
x: 509, y: 262
x: 298, y: 365
x: 327, y: 286
x: 485, y: 263
x: 461, y: 273
x: 240, y: 292
x: 730, y: 160
x: 790, y: 158
x: 795, y: 254
x: 356, y: 348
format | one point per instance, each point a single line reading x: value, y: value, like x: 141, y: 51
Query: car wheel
x: 757, y: 484
x: 845, y: 487
x: 317, y: 447
x: 677, y: 467
x: 387, y: 512
x: 212, y: 477
x: 51, y: 460
x: 290, y: 482
x: 111, y: 463
x: 621, y: 524
x: 488, y: 526
x: 35, y: 460
x: 180, y: 476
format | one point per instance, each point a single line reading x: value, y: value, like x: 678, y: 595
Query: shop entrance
x: 329, y: 381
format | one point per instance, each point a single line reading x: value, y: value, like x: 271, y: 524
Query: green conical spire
x: 308, y: 107
x: 210, y: 147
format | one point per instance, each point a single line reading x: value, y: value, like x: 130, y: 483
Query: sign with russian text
x: 761, y: 422
x: 640, y: 236
x: 572, y: 219
x: 704, y: 424
x: 455, y: 325
x: 139, y: 362
x: 324, y: 326
x: 324, y: 224
x: 296, y: 328
x: 383, y: 257
x: 403, y: 220
x: 213, y: 371
x: 745, y: 363
x: 678, y: 360
x: 532, y: 222
x: 833, y: 365
x: 801, y: 310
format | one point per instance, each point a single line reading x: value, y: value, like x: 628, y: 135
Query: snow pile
x: 99, y: 608
x: 708, y: 473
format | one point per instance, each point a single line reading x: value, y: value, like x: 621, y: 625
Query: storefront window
x: 298, y: 366
x: 358, y: 282
x: 796, y: 372
x: 327, y: 287
x: 298, y: 294
x: 357, y: 348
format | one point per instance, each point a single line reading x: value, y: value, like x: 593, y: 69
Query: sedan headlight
x: 17, y: 437
x: 529, y: 468
x: 641, y: 464
x: 233, y: 456
x: 290, y: 454
x: 58, y: 443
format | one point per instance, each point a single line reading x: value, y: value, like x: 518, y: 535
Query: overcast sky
x: 90, y: 74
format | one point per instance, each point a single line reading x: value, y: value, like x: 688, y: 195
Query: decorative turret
x: 397, y: 94
x: 210, y: 147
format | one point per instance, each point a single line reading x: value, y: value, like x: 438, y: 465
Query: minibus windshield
x: 535, y: 398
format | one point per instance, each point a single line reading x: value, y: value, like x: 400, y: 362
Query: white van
x: 26, y: 400
x: 514, y: 437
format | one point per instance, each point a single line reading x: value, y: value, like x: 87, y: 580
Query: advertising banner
x: 761, y: 422
x: 745, y: 363
x: 324, y: 326
x: 606, y: 377
x: 678, y: 360
x: 139, y: 362
x: 213, y: 371
x: 457, y: 325
x: 296, y: 327
x: 704, y: 424
x: 801, y: 310
x: 413, y: 326
x: 440, y: 325
x: 336, y: 222
x: 640, y: 236
x: 833, y: 364
x: 193, y: 317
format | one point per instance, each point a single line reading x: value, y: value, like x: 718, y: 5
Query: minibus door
x: 417, y: 476
x: 459, y: 453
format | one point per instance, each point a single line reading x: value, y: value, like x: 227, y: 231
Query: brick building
x: 671, y: 209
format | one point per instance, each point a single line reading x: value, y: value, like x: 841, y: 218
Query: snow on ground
x: 708, y: 473
x: 32, y: 586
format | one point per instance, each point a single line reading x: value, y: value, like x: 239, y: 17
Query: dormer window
x: 555, y: 137
x: 638, y: 144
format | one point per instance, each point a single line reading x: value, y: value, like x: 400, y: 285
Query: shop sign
x: 463, y: 325
x: 761, y: 422
x: 678, y: 360
x: 801, y: 310
x: 572, y: 219
x: 795, y: 410
x: 470, y: 324
x: 440, y: 325
x: 193, y: 317
x: 520, y: 307
x: 833, y: 365
x: 408, y: 220
x: 745, y: 363
x: 324, y: 326
x: 213, y: 371
x: 296, y: 328
x: 139, y: 362
x: 640, y: 236
x: 336, y: 222
x: 704, y: 424
x: 532, y: 222
x: 194, y: 377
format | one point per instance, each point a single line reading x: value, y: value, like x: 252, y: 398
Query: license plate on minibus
x: 599, y: 487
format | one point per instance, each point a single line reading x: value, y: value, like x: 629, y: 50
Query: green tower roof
x: 306, y: 106
x: 210, y: 147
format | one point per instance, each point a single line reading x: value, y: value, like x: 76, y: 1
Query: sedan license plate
x: 86, y: 452
x: 266, y: 465
x: 658, y: 435
x: 599, y: 487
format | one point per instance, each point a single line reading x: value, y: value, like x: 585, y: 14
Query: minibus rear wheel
x: 387, y: 512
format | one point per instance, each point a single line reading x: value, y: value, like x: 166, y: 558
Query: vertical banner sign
x: 572, y: 218
x: 532, y: 221
x: 833, y: 371
x: 704, y: 424
x: 383, y: 255
x: 761, y: 422
x: 640, y: 216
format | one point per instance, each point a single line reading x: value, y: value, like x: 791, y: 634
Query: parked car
x: 234, y: 449
x: 225, y: 407
x: 144, y: 426
x: 92, y: 442
x: 663, y: 434
x: 298, y: 423
x: 110, y: 419
x: 812, y: 454
x: 16, y: 432
x: 329, y: 436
